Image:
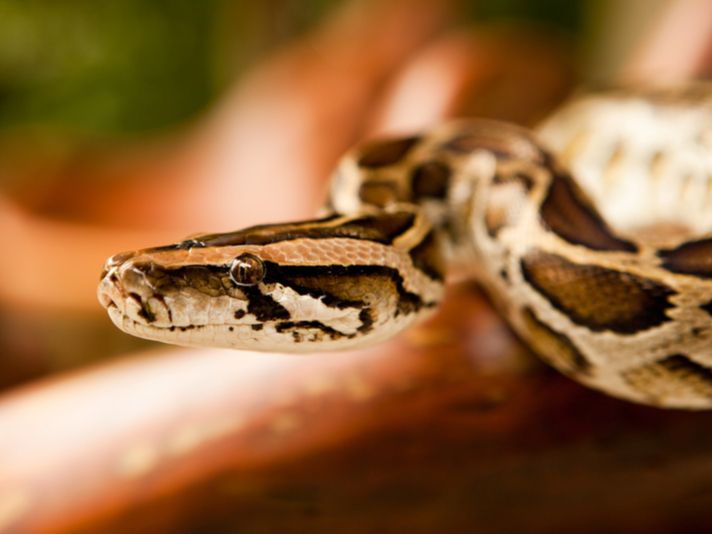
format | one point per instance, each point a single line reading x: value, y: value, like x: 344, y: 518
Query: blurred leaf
x: 126, y: 65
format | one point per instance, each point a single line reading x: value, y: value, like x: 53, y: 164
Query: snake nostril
x: 116, y: 260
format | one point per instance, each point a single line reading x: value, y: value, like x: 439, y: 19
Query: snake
x: 591, y: 234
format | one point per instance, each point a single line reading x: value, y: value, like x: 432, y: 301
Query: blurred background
x: 131, y: 124
x: 135, y: 67
x: 83, y: 83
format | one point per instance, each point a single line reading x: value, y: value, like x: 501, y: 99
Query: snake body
x: 608, y: 277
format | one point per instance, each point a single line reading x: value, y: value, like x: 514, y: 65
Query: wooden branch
x: 452, y: 427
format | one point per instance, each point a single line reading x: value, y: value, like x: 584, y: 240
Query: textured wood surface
x: 452, y: 427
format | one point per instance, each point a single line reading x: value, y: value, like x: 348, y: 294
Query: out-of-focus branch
x: 676, y: 48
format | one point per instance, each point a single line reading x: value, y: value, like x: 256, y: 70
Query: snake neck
x: 620, y: 303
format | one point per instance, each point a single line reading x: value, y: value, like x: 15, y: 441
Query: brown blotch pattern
x: 691, y: 258
x: 547, y: 342
x: 431, y: 179
x: 387, y: 226
x: 427, y: 257
x: 568, y: 213
x: 707, y: 307
x: 501, y: 139
x: 598, y: 298
x: 264, y: 307
x: 384, y: 153
x: 379, y: 194
x: 367, y: 316
x: 674, y: 376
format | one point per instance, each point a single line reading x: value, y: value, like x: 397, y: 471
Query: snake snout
x: 119, y: 282
x: 105, y: 299
x: 115, y: 261
x: 124, y: 292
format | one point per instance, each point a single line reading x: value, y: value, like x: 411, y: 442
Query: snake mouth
x: 115, y: 298
x: 107, y: 293
x: 106, y: 300
x: 130, y: 312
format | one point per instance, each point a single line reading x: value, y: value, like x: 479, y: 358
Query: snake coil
x: 600, y: 256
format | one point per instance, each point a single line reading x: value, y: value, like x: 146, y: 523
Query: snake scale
x: 592, y: 236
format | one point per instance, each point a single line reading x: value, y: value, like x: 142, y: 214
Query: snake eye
x: 247, y: 270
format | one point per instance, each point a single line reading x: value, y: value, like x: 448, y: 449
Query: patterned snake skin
x: 593, y: 238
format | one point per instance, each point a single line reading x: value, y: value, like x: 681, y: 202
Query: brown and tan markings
x: 507, y: 195
x: 555, y: 345
x: 346, y: 286
x: 210, y: 280
x: 691, y: 258
x: 707, y: 307
x: 337, y: 286
x: 430, y: 180
x: 311, y: 331
x: 427, y: 257
x: 379, y: 193
x: 144, y: 311
x: 368, y: 272
x: 213, y: 281
x: 598, y: 298
x: 382, y: 228
x: 384, y: 153
x: 568, y: 214
x: 264, y: 307
x: 518, y: 177
x: 503, y: 143
x: 385, y: 227
x: 676, y: 376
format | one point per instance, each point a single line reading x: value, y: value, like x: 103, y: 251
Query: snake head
x: 328, y: 284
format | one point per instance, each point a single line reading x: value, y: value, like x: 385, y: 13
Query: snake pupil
x: 247, y: 270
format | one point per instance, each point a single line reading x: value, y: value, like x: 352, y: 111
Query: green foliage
x: 135, y: 65
x: 566, y: 15
x: 104, y: 65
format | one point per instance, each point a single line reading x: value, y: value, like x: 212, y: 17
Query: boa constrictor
x: 608, y: 277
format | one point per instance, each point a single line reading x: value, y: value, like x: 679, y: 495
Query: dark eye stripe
x: 341, y: 286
